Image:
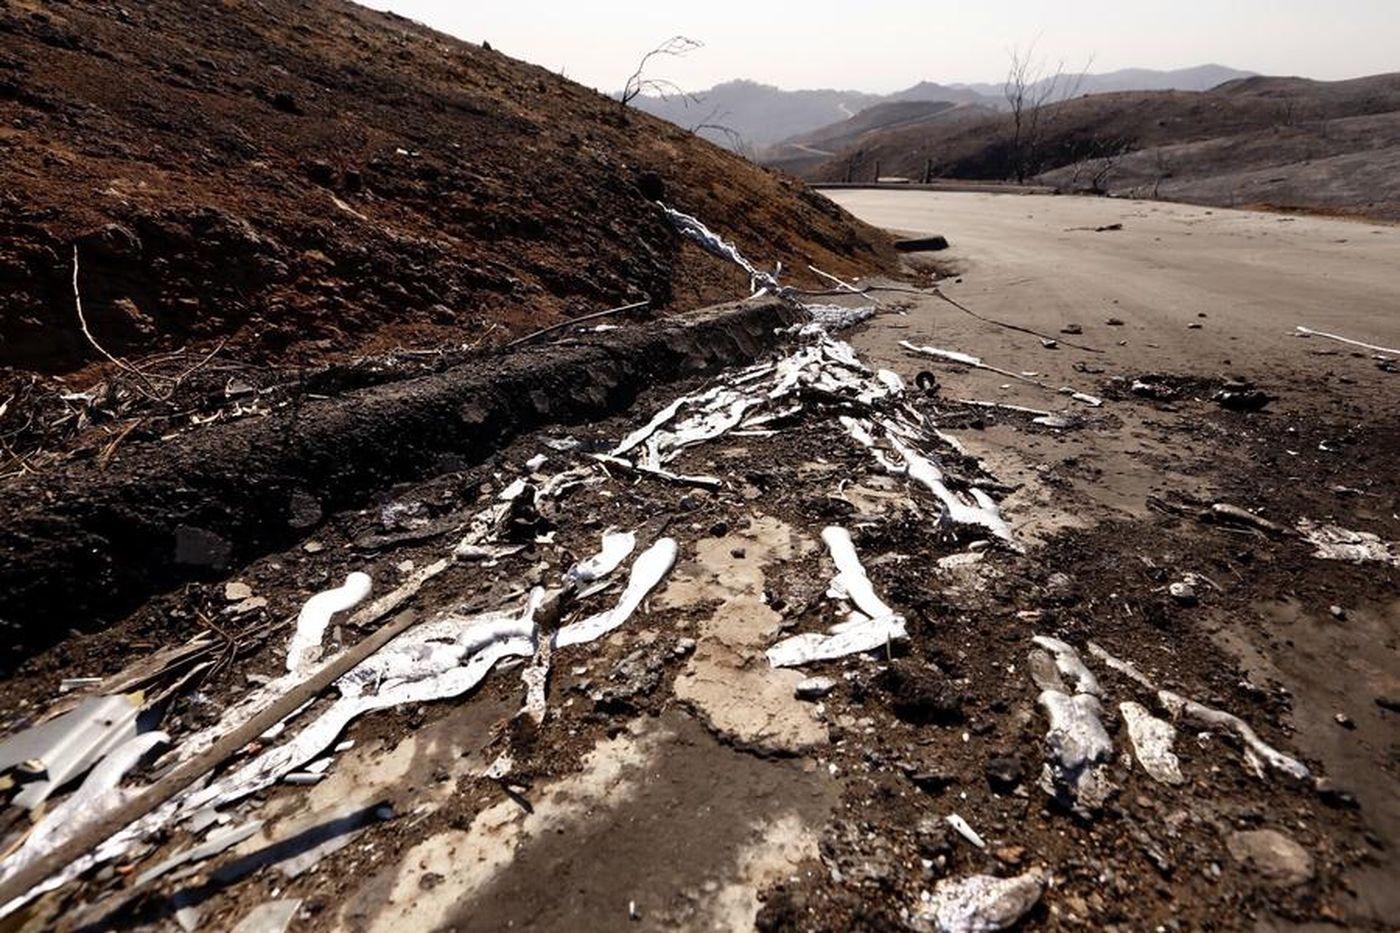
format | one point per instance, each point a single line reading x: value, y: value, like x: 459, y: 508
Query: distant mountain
x: 1199, y: 78
x: 953, y: 93
x: 759, y: 113
x: 757, y: 116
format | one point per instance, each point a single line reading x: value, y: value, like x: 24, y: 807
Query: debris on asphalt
x: 1309, y: 332
x: 965, y: 830
x: 1332, y: 542
x: 217, y: 841
x: 875, y: 625
x: 967, y: 359
x: 1242, y: 396
x: 1224, y: 513
x: 49, y: 755
x: 269, y: 917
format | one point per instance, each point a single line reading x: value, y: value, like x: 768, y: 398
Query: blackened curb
x: 82, y: 547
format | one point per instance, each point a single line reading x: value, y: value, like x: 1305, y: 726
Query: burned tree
x: 1030, y: 91
x: 639, y: 83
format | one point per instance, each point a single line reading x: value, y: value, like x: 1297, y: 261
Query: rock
x: 1184, y: 593
x: 236, y: 591
x: 1242, y: 396
x: 1114, y: 322
x: 1389, y: 702
x: 319, y: 172
x: 814, y: 688
x: 1010, y: 855
x: 1071, y: 329
x: 982, y: 903
x: 1344, y: 721
x: 1194, y: 325
x: 1005, y: 773
x: 684, y: 646
x: 1278, y: 859
x: 1336, y: 797
x: 651, y: 185
x: 313, y: 547
x: 1338, y: 613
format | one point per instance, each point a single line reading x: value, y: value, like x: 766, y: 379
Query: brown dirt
x: 317, y: 180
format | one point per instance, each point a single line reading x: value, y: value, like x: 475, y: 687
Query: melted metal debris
x: 875, y: 625
x: 981, y: 903
x: 1331, y: 542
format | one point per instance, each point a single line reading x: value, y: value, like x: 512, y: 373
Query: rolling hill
x: 1277, y: 141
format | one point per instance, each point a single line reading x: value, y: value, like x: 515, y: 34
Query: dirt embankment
x: 90, y: 542
x: 307, y: 180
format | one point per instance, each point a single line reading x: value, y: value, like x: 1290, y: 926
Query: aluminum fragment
x: 304, y: 649
x: 981, y: 903
x: 1152, y: 740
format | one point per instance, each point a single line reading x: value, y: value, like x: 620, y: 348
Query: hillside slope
x: 801, y: 154
x: 301, y: 179
x: 1287, y: 142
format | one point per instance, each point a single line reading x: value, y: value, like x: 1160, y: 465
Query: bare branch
x: 676, y: 46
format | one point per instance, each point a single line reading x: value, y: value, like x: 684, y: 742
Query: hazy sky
x: 885, y: 45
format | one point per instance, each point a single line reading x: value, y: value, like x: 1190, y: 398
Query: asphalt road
x: 1255, y: 276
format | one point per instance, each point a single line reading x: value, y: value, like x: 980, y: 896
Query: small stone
x: 236, y: 591
x: 1183, y: 593
x: 250, y: 604
x: 1338, y: 613
x: 684, y: 646
x: 313, y: 547
x: 1010, y: 855
x: 1278, y: 859
x: 1005, y: 773
x: 1194, y: 325
x: 814, y: 688
x: 1071, y: 329
x: 1114, y: 322
x: 1344, y: 721
x: 738, y: 553
x: 1336, y: 797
